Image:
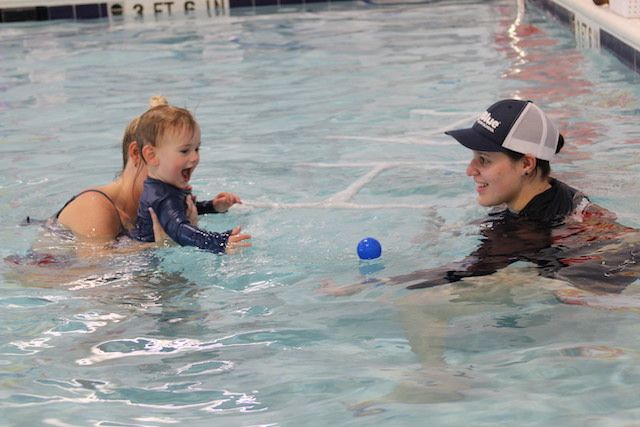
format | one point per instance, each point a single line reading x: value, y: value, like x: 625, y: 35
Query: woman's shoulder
x: 91, y: 214
x: 583, y: 209
x: 566, y: 200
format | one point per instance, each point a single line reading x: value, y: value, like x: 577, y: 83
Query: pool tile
x: 101, y: 10
x: 266, y: 2
x: 19, y: 14
x: 563, y: 14
x: 619, y: 49
x: 555, y: 9
x: 240, y: 3
x: 87, y: 11
x: 61, y: 12
x: 42, y: 13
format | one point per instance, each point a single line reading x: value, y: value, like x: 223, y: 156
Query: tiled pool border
x: 82, y: 11
x: 46, y: 13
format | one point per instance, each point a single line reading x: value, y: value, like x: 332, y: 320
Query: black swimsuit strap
x: 95, y: 191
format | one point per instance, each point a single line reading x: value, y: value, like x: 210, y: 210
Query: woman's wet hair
x: 542, y: 166
x: 130, y: 130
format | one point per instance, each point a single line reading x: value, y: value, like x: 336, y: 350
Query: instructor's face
x: 498, y: 179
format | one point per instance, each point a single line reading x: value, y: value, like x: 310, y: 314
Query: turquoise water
x: 328, y: 123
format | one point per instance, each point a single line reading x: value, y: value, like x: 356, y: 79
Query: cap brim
x: 474, y: 140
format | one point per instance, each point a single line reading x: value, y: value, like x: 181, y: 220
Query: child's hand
x: 237, y: 240
x: 223, y: 201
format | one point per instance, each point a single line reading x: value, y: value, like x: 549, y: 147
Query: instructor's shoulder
x: 91, y: 215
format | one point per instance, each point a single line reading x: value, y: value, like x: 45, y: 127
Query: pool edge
x: 599, y: 27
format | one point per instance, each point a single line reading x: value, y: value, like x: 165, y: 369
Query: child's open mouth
x: 186, y: 174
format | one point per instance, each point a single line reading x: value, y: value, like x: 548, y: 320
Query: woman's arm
x: 502, y: 243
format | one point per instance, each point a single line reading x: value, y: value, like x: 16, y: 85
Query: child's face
x: 177, y: 153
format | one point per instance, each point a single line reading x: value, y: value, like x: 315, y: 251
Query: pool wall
x: 44, y: 10
x: 599, y: 27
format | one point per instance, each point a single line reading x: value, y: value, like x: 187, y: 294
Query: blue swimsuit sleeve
x: 205, y: 207
x: 172, y: 216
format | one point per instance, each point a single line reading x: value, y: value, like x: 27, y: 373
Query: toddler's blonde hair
x: 130, y: 130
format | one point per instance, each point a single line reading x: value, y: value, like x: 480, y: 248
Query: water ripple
x: 169, y: 396
x: 207, y: 367
x: 142, y: 346
x: 24, y: 302
x: 117, y: 349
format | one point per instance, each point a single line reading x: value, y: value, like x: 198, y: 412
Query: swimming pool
x: 328, y: 122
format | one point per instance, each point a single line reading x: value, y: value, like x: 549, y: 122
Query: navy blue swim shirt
x: 169, y: 204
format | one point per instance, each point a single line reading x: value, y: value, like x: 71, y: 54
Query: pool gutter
x: 599, y: 27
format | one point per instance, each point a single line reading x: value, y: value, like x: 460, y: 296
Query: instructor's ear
x: 133, y: 154
x: 149, y: 155
x: 529, y: 164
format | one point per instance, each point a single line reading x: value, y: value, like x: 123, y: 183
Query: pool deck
x: 594, y: 26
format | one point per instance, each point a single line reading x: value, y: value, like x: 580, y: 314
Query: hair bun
x: 157, y: 100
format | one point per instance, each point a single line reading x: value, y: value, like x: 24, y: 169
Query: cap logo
x: 486, y: 121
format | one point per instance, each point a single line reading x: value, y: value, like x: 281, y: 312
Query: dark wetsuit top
x: 538, y: 234
x: 169, y: 204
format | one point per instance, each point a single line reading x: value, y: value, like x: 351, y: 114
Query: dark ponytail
x: 560, y: 143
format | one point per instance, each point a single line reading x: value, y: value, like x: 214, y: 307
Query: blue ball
x: 369, y: 248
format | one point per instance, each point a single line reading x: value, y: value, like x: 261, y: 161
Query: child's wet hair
x: 156, y: 121
x: 130, y: 130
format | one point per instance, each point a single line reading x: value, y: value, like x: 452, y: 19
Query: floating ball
x: 369, y: 248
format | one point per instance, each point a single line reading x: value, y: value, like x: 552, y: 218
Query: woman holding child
x: 102, y: 214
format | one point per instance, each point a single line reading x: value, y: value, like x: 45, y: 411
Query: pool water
x: 327, y: 121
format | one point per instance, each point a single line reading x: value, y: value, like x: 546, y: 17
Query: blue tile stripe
x: 101, y: 10
x: 46, y: 13
x: 557, y: 10
x: 626, y: 53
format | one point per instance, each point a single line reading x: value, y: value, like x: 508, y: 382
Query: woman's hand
x: 159, y: 236
x: 192, y: 210
x: 237, y: 240
x: 223, y: 201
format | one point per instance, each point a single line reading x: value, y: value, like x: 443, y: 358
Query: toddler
x: 168, y: 139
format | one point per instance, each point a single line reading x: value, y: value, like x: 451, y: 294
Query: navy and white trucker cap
x: 512, y: 124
